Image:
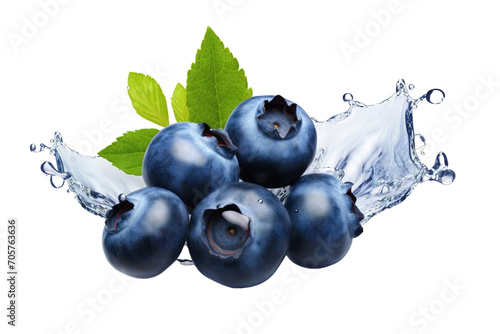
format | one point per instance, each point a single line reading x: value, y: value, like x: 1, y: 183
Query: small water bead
x: 385, y: 189
x: 440, y: 172
x: 122, y: 197
x: 446, y: 176
x: 260, y: 201
x: 435, y: 96
x: 411, y: 87
x: 296, y: 210
x: 34, y: 149
x: 347, y: 97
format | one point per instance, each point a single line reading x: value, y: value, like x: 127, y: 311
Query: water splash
x: 96, y: 183
x: 372, y: 146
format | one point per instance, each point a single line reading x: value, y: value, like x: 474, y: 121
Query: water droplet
x: 411, y: 87
x: 435, y: 96
x: 385, y: 189
x: 296, y: 210
x: 260, y: 201
x: 34, y: 149
x: 440, y: 171
x: 128, y: 87
x: 446, y: 176
x: 347, y: 97
x: 122, y: 197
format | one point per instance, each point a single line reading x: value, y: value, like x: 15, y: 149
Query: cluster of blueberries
x: 237, y: 232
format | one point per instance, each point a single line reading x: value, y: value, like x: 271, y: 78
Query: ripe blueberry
x: 145, y: 233
x: 239, y: 235
x: 324, y: 220
x: 191, y: 160
x: 276, y: 140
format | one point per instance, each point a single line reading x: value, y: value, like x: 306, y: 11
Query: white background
x: 70, y: 75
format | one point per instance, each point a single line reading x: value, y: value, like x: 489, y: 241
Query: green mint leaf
x: 127, y: 152
x: 179, y: 104
x: 215, y: 84
x: 147, y: 98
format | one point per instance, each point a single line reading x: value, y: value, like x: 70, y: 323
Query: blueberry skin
x: 324, y: 219
x: 145, y: 233
x: 268, y: 154
x: 257, y: 253
x: 191, y: 160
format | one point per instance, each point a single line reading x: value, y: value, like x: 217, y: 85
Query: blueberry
x: 239, y: 235
x: 276, y: 140
x: 191, y: 160
x: 145, y: 233
x: 324, y: 219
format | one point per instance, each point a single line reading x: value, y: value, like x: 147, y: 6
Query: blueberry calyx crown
x: 113, y: 216
x: 279, y: 119
x: 226, y: 232
x: 221, y: 136
x: 359, y: 229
